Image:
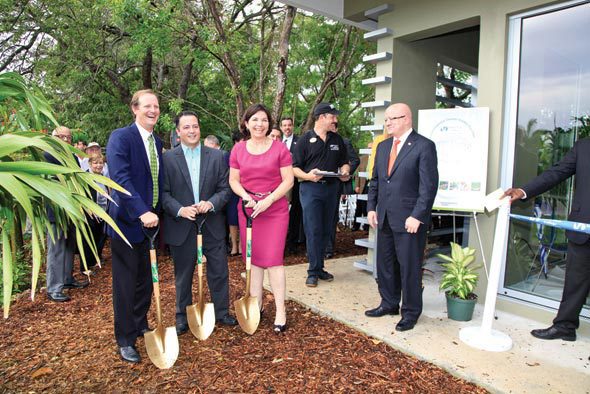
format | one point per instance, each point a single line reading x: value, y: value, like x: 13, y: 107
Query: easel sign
x: 461, y: 138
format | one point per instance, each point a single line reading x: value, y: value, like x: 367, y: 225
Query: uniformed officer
x: 318, y: 150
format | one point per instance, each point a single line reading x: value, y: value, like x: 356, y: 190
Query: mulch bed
x: 69, y: 347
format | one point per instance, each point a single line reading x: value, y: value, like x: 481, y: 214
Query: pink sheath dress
x: 262, y: 174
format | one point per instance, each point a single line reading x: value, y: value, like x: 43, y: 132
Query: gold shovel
x: 247, y: 310
x: 162, y: 343
x: 200, y: 316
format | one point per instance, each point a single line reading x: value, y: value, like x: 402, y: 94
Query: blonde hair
x: 137, y: 95
x: 95, y: 157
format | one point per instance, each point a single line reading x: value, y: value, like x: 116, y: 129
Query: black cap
x: 325, y: 108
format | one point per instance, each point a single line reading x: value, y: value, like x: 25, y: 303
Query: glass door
x: 549, y: 96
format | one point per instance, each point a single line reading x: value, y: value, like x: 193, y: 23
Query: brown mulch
x: 69, y: 347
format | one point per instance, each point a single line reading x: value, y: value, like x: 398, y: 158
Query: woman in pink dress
x: 261, y: 172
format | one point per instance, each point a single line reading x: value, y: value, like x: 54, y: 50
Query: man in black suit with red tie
x: 401, y: 194
x: 577, y: 275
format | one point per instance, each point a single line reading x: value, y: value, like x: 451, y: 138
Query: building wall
x: 412, y: 21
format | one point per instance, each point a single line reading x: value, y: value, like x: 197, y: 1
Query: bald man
x: 401, y: 194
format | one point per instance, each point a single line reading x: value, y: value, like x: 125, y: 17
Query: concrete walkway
x: 531, y: 366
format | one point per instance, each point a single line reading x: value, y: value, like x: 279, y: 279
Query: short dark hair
x: 250, y: 111
x: 287, y: 118
x: 236, y: 136
x: 184, y: 113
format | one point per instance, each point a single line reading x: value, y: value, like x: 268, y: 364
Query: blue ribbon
x: 563, y: 224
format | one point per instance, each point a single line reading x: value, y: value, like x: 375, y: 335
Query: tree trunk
x: 229, y: 65
x: 331, y: 76
x: 146, y: 70
x: 185, y: 80
x: 277, y: 107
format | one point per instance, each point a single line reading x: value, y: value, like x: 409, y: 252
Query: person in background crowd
x: 93, y: 148
x: 135, y: 156
x: 320, y: 149
x: 81, y: 144
x: 211, y: 141
x: 577, y: 274
x: 97, y: 225
x: 345, y: 190
x: 61, y: 248
x: 195, y: 184
x: 295, y: 235
x: 401, y: 194
x: 275, y: 134
x: 361, y: 187
x: 261, y: 174
x: 232, y: 207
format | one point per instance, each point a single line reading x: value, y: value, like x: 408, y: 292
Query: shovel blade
x: 248, y: 314
x: 162, y: 346
x: 201, y: 324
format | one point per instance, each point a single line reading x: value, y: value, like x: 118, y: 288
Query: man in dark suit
x: 61, y: 248
x: 196, y: 183
x: 134, y: 154
x: 577, y: 275
x: 401, y: 194
x: 295, y: 234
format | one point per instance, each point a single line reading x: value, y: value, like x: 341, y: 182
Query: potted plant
x: 458, y: 281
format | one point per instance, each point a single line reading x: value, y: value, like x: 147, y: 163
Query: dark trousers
x: 99, y: 234
x: 295, y: 234
x: 132, y: 289
x: 332, y: 238
x: 399, y: 269
x: 317, y: 201
x: 185, y: 257
x: 576, y: 287
x: 60, y: 258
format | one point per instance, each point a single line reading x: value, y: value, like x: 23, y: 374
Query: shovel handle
x: 248, y: 248
x: 156, y: 284
x: 200, y: 250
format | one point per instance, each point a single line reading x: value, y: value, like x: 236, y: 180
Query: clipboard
x: 329, y: 174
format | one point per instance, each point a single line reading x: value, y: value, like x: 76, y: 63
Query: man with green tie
x: 134, y: 154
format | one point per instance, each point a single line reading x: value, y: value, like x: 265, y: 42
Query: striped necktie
x: 153, y: 169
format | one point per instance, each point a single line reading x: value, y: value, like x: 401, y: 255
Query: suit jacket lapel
x: 203, y: 167
x: 405, y: 149
x: 181, y: 161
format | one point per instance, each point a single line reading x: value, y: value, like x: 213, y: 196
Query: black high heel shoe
x: 278, y: 328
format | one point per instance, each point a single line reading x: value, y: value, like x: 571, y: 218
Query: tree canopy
x: 215, y: 57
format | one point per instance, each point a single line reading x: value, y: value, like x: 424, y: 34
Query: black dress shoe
x: 328, y: 255
x: 129, y: 354
x: 555, y: 332
x: 405, y: 325
x: 312, y: 281
x: 380, y: 311
x: 325, y: 275
x: 58, y: 296
x: 76, y: 284
x: 279, y: 328
x: 227, y: 320
x: 181, y: 328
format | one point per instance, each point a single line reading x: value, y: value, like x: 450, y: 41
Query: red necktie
x: 392, y: 156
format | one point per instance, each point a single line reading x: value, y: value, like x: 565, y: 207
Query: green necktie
x: 153, y: 169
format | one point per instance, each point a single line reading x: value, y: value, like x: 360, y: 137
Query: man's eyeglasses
x: 396, y: 117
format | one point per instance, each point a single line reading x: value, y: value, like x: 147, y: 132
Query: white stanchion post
x: 484, y: 337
